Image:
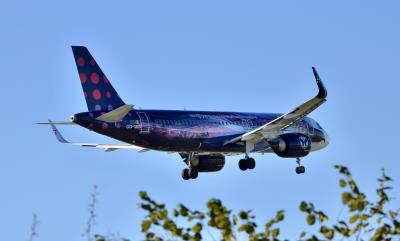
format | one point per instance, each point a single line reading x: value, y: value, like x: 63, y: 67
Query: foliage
x: 361, y: 219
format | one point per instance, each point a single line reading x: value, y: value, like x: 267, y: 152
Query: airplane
x: 202, y: 138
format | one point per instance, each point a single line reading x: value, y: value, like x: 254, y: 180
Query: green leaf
x: 393, y: 215
x: 322, y: 217
x: 146, y: 224
x: 346, y: 197
x: 303, y: 206
x: 342, y: 183
x: 197, y: 228
x: 302, y: 234
x: 354, y: 218
x: 342, y: 169
x: 184, y: 211
x: 163, y: 215
x: 243, y: 215
x: 150, y: 235
x: 280, y: 215
x: 361, y: 205
x: 329, y: 234
x: 143, y: 195
x: 310, y: 219
x: 248, y: 228
x: 235, y: 220
x: 275, y: 232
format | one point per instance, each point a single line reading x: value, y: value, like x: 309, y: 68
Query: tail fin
x: 98, y: 91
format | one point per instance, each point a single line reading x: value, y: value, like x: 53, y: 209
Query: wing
x: 106, y: 147
x: 284, y: 121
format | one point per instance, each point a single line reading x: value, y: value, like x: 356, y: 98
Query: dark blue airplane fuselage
x: 192, y: 131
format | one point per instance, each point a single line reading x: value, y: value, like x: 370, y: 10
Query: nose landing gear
x: 299, y: 169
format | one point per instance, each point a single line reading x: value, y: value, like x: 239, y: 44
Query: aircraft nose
x: 326, y: 138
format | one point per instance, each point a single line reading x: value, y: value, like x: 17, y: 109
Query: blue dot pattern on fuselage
x: 98, y: 91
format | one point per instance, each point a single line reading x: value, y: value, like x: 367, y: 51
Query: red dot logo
x: 108, y: 94
x: 83, y: 77
x: 94, y: 77
x: 81, y: 62
x: 92, y: 62
x: 96, y: 94
x: 105, y: 80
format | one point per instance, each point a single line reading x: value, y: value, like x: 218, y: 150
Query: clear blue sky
x: 199, y: 55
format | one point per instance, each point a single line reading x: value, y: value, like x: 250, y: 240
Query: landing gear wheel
x: 300, y: 169
x: 247, y: 163
x: 185, y: 174
x: 251, y: 163
x: 243, y: 164
x: 193, y: 173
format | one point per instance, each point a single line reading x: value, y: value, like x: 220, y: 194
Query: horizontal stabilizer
x: 55, y: 123
x: 115, y: 115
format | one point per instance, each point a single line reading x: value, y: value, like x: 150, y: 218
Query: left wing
x: 284, y: 121
x: 106, y: 147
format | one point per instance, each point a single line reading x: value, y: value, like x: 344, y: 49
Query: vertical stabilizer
x: 97, y: 89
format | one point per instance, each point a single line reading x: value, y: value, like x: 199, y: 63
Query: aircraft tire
x: 251, y: 163
x: 243, y: 164
x: 185, y: 174
x: 300, y: 169
x: 193, y: 173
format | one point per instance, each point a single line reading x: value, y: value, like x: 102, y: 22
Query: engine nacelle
x: 292, y: 145
x: 210, y: 163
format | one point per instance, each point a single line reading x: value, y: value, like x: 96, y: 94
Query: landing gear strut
x: 300, y: 169
x: 247, y: 163
x: 191, y: 172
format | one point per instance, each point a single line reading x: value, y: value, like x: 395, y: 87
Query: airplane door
x: 144, y: 123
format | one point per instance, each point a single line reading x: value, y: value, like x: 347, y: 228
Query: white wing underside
x: 106, y: 147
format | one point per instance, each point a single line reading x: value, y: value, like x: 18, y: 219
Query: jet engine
x: 208, y: 163
x: 292, y: 145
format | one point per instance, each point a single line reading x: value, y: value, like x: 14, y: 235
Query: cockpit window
x: 318, y: 125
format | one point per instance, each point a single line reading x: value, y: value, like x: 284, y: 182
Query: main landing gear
x: 247, y: 163
x: 300, y: 169
x: 189, y: 173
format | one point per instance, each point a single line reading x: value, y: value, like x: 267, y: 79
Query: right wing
x: 275, y: 126
x: 106, y: 147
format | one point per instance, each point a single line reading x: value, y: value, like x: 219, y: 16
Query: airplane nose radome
x: 326, y: 138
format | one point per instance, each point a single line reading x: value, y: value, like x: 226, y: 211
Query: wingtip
x: 57, y: 133
x: 322, y: 91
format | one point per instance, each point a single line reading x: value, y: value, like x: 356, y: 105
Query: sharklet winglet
x: 57, y: 133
